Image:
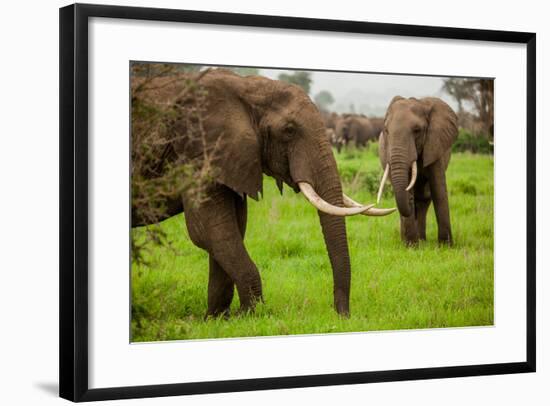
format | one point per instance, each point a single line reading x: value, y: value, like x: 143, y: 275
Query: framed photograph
x: 255, y: 202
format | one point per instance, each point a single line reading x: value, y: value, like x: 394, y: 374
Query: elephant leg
x: 220, y: 284
x: 218, y: 226
x: 422, y: 202
x: 409, y: 229
x: 241, y: 208
x: 421, y: 208
x: 438, y: 189
x: 220, y: 290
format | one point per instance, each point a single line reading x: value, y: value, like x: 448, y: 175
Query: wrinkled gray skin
x: 421, y: 130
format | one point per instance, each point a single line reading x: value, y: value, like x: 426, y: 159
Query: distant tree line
x: 478, y: 96
x: 299, y: 78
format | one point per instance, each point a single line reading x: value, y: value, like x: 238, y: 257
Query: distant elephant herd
x: 262, y: 126
x: 351, y: 129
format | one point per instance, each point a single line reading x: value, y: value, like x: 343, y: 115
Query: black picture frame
x: 73, y: 281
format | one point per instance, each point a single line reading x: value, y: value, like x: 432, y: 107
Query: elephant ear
x: 232, y: 136
x: 442, y: 129
x: 237, y: 163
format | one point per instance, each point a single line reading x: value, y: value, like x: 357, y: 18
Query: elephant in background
x: 415, y: 150
x: 335, y: 140
x: 259, y: 126
x: 355, y: 128
x: 331, y: 120
x: 377, y: 127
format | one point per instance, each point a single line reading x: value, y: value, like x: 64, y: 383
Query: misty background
x: 338, y: 93
x: 368, y: 93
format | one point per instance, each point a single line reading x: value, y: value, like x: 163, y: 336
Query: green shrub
x: 373, y: 147
x: 163, y: 99
x: 467, y: 141
x: 357, y: 179
x: 465, y: 187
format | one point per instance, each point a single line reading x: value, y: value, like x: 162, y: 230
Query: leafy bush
x: 370, y: 181
x: 467, y: 141
x: 164, y: 100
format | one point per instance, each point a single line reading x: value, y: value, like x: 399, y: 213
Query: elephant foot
x: 341, y: 304
x: 344, y: 313
x: 245, y: 311
x: 248, y: 305
x: 225, y: 314
x: 446, y: 242
x: 445, y: 238
x: 410, y: 237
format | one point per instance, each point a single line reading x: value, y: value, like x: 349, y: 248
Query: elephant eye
x: 290, y: 129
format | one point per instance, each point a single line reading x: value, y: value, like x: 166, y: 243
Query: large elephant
x: 354, y: 128
x: 415, y: 150
x: 260, y: 126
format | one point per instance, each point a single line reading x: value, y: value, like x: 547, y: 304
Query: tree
x: 479, y: 93
x: 187, y: 68
x: 459, y: 89
x: 302, y: 79
x: 163, y: 99
x: 483, y: 102
x: 323, y: 99
x: 246, y: 71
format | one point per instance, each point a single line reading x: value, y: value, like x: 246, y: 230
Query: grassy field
x: 393, y: 287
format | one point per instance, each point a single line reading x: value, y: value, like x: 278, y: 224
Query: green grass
x: 393, y: 287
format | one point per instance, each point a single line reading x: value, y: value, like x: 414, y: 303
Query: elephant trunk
x: 334, y: 232
x: 321, y: 172
x: 399, y: 174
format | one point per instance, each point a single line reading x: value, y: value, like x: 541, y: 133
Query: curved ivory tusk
x: 371, y: 211
x: 349, y: 202
x: 413, y: 177
x: 326, y: 207
x: 374, y: 212
x: 382, y: 183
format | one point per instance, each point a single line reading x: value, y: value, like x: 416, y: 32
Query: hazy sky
x: 369, y: 93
